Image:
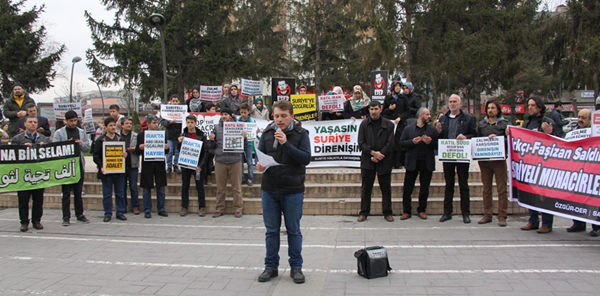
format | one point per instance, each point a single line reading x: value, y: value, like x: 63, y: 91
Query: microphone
x: 275, y: 142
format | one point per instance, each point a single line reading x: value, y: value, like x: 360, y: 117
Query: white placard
x: 189, y: 153
x: 334, y: 103
x: 88, y: 122
x: 596, y: 124
x: 233, y: 141
x: 454, y: 150
x: 172, y: 112
x: 251, y: 130
x: 252, y: 87
x: 577, y: 134
x: 154, y: 145
x: 61, y: 108
x: 210, y: 93
x: 485, y: 149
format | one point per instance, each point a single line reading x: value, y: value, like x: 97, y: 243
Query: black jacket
x: 402, y: 109
x: 203, y: 157
x: 10, y: 110
x: 383, y: 142
x: 42, y: 122
x: 414, y: 104
x: 466, y: 125
x: 406, y: 142
x: 151, y: 169
x: 535, y: 123
x: 559, y: 122
x: 497, y: 128
x: 293, y: 156
x: 349, y: 112
x: 98, y: 155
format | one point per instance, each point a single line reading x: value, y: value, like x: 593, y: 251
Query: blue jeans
x: 249, y: 161
x: 291, y: 206
x: 160, y: 199
x: 534, y: 219
x: 118, y: 182
x: 172, y: 150
x: 131, y: 176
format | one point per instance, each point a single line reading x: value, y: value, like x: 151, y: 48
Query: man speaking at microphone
x: 283, y: 188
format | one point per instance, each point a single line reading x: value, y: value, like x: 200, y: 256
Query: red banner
x: 555, y: 176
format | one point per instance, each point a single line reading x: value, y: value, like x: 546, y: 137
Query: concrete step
x: 252, y: 205
x: 312, y: 190
x: 320, y: 176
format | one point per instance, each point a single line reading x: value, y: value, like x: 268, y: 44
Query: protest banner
x: 190, y: 153
x: 450, y: 150
x: 27, y: 168
x: 206, y: 121
x: 252, y: 87
x: 333, y: 103
x: 576, y: 134
x: 334, y: 143
x: 88, y: 122
x: 555, y: 176
x: 210, y: 93
x: 233, y: 141
x: 379, y: 86
x: 61, y: 108
x: 282, y: 89
x: 305, y: 107
x: 154, y: 145
x: 172, y: 112
x: 596, y: 124
x: 113, y: 161
x: 484, y: 149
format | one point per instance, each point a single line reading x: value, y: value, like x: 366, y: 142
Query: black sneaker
x: 122, y: 217
x: 66, y: 222
x: 168, y: 170
x: 163, y: 213
x: 297, y: 275
x: 177, y: 170
x: 267, y: 275
x: 83, y: 219
x: 106, y: 219
x: 147, y: 215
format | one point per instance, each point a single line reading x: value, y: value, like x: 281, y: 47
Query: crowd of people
x: 397, y: 132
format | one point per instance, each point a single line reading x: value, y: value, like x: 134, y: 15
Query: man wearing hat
x: 15, y: 108
x: 228, y: 166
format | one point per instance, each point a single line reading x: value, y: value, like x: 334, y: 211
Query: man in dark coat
x: 43, y: 125
x: 14, y: 108
x: 396, y: 108
x: 420, y: 141
x: 456, y: 124
x: 152, y: 170
x: 376, y: 141
x: 558, y: 119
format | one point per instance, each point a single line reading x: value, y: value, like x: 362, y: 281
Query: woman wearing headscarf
x: 193, y: 103
x: 234, y: 101
x: 330, y: 115
x: 358, y: 105
x: 259, y: 110
x: 414, y: 101
x: 395, y: 107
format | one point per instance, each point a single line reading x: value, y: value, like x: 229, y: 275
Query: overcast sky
x: 65, y: 24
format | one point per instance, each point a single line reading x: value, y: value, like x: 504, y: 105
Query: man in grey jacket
x: 228, y: 165
x: 558, y: 119
x: 70, y: 132
x: 132, y: 163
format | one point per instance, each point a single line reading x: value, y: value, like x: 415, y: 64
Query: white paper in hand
x: 266, y: 160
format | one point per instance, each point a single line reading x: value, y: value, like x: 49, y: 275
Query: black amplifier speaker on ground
x: 372, y: 262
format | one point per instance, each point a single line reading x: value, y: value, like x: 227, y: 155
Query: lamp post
x: 101, y: 96
x: 73, y: 62
x: 158, y: 21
